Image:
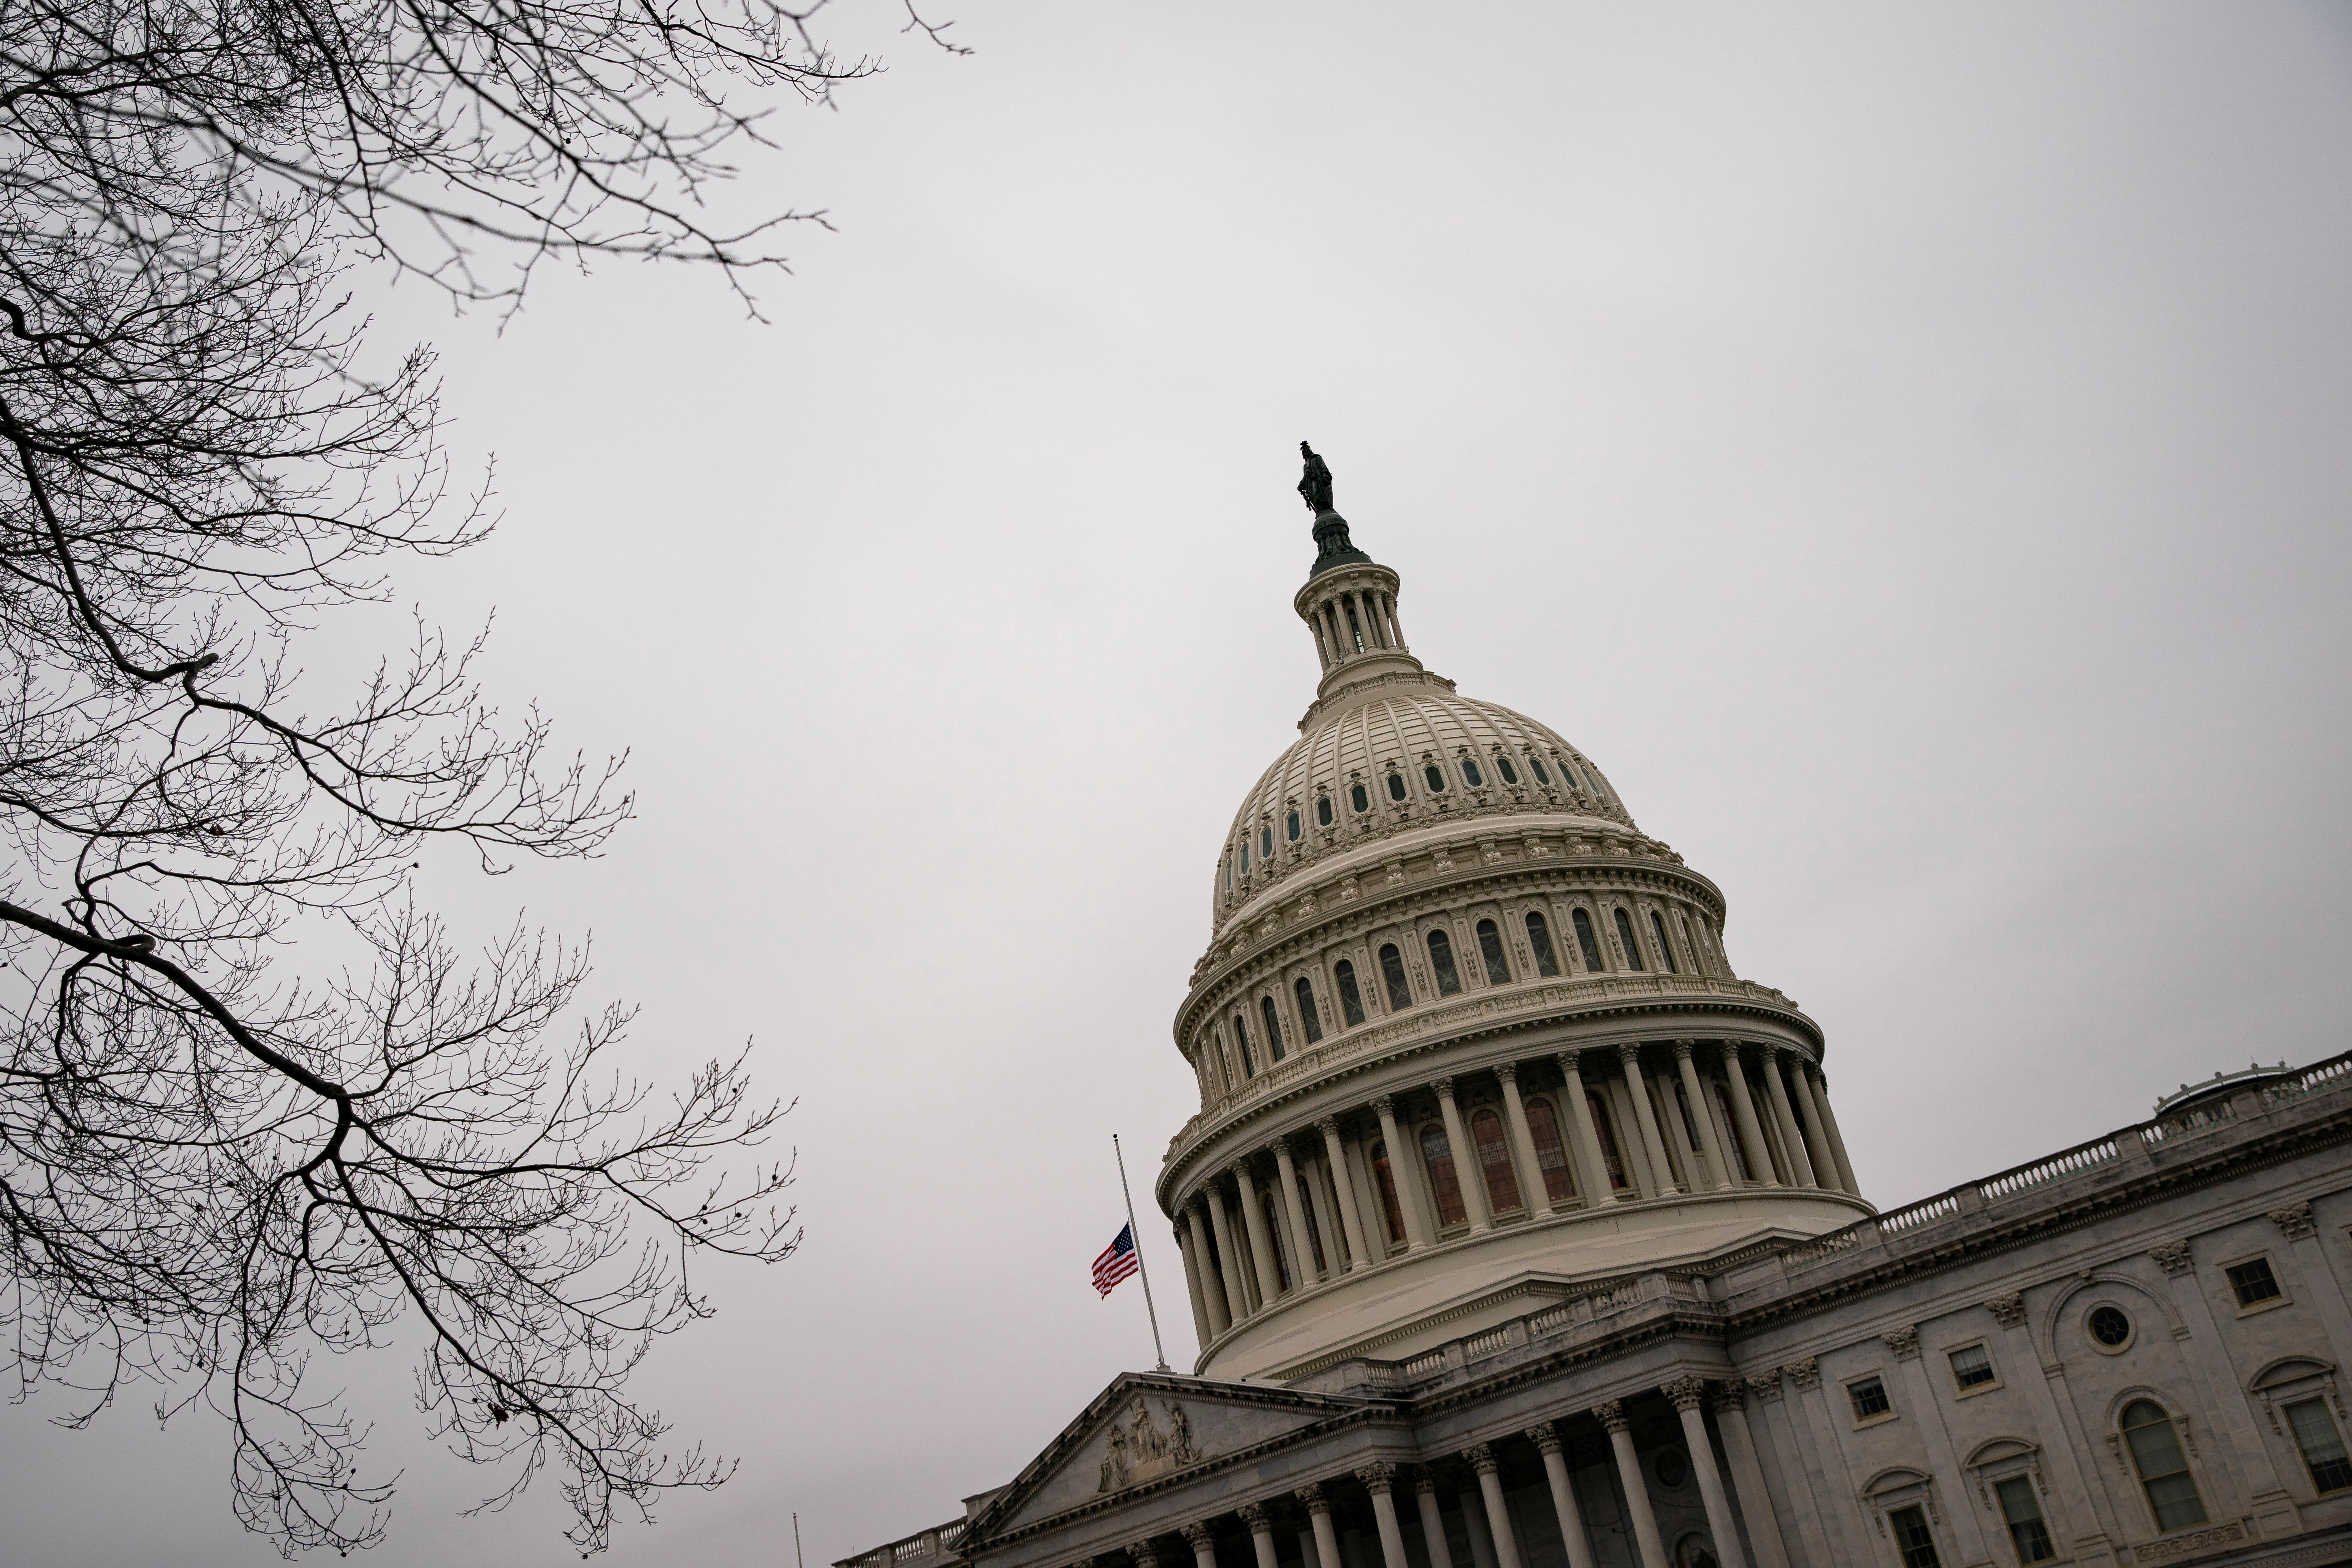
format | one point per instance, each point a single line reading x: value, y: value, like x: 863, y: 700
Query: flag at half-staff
x: 1118, y: 1260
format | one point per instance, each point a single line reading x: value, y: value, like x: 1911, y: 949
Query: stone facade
x: 1564, y: 1264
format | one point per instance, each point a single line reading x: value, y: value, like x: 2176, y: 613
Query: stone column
x: 1791, y: 1141
x: 1344, y: 1192
x: 1629, y: 1138
x: 1192, y: 1265
x: 1611, y: 1415
x: 1523, y: 1142
x: 1498, y: 1512
x: 1924, y: 1390
x: 1229, y: 1258
x: 1817, y: 1141
x: 1203, y: 1543
x: 1719, y: 1169
x: 1433, y: 1524
x: 1318, y: 1513
x: 1417, y: 1228
x: 1547, y: 1440
x: 1269, y: 1272
x: 1261, y: 1528
x: 1583, y: 1137
x: 1474, y: 1526
x: 1467, y: 1173
x: 1321, y: 1196
x: 1302, y: 1249
x: 1379, y: 1479
x: 1212, y: 1282
x: 1685, y: 1392
x: 1837, y: 1138
x: 1143, y: 1554
x: 1676, y: 1133
x: 1748, y: 1474
x: 1743, y: 1109
x: 1660, y: 1174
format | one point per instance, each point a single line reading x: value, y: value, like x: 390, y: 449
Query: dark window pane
x: 1536, y: 764
x: 1290, y: 827
x: 1352, y: 1004
x: 1602, y: 1128
x: 1626, y: 936
x: 1393, y: 972
x: 1584, y: 941
x: 1438, y: 1155
x: 1306, y: 1019
x: 1971, y: 1367
x: 1441, y: 959
x: 1323, y: 811
x: 1436, y: 780
x: 1869, y: 1398
x: 2110, y: 1327
x: 1249, y: 1057
x: 1272, y: 1027
x: 2253, y: 1282
x: 1358, y: 798
x: 1490, y: 948
x: 1495, y: 1162
x: 1471, y: 776
x: 1265, y: 844
x: 2322, y: 1445
x: 2023, y: 1512
x: 1540, y: 939
x: 1273, y: 1234
x: 1913, y: 1539
x: 1306, y: 1216
x: 1552, y: 1156
x: 1503, y: 766
x: 1245, y: 857
x: 1385, y: 1179
x: 1396, y: 786
x: 1665, y: 947
x: 2155, y: 1454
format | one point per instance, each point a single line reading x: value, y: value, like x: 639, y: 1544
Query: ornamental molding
x: 1379, y: 1476
x: 1311, y: 1494
x: 1805, y: 1374
x: 2007, y: 1310
x: 1253, y: 1514
x: 1481, y: 1459
x: 1684, y: 1392
x: 1546, y: 1437
x: 2187, y: 1545
x: 2295, y: 1221
x: 1766, y: 1385
x: 1611, y: 1413
x: 2172, y: 1257
x: 1903, y: 1343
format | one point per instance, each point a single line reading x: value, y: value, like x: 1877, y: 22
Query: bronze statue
x: 1314, y: 485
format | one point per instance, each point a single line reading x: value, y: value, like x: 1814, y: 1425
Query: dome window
x: 1323, y: 811
x: 1392, y: 973
x: 1437, y: 779
x: 1665, y: 947
x: 1541, y: 777
x: 1584, y: 942
x: 1272, y: 1028
x: 1245, y: 857
x: 1441, y: 959
x: 1626, y: 936
x: 1437, y: 1154
x: 1249, y: 1057
x: 1306, y: 1019
x: 1396, y: 786
x: 1290, y: 827
x: 1503, y: 766
x: 1359, y: 798
x: 1540, y: 939
x: 1352, y: 1001
x: 1471, y: 776
x: 1265, y: 843
x: 1490, y: 948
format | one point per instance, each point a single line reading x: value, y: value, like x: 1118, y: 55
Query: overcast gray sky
x: 1906, y: 447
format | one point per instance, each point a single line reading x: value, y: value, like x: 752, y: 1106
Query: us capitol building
x: 1519, y: 1232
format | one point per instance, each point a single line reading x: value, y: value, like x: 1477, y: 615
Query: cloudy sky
x: 1905, y: 446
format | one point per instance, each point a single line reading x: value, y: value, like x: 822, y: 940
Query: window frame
x: 1537, y: 923
x: 2335, y: 1427
x: 1440, y: 970
x: 1628, y: 937
x: 1402, y: 978
x: 2184, y: 1445
x: 1854, y: 1404
x: 2104, y: 1304
x: 1350, y: 993
x: 1492, y: 954
x: 2278, y: 1284
x: 1996, y: 1486
x: 1969, y: 1391
x: 1508, y: 1170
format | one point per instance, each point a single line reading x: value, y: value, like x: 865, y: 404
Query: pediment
x: 1146, y: 1432
x: 1999, y: 1451
x: 2290, y: 1368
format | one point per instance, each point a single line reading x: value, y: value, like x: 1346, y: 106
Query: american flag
x: 1118, y: 1261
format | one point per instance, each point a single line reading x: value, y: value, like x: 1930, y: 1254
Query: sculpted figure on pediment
x: 1134, y: 1448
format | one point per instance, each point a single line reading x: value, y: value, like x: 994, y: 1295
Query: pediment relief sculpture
x: 1134, y: 1448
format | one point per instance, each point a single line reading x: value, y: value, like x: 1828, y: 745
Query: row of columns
x: 1375, y: 623
x: 1233, y: 1268
x: 1494, y: 1541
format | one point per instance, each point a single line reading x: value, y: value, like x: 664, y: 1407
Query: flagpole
x: 1136, y: 1236
x: 797, y: 1563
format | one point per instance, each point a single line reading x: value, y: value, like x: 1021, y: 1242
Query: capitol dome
x: 1467, y: 1040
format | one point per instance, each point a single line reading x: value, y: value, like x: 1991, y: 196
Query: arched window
x: 1265, y: 843
x: 1551, y: 1156
x: 1503, y: 766
x: 1290, y: 827
x: 1441, y: 959
x: 1495, y: 1161
x: 1396, y: 786
x: 1535, y: 764
x: 1352, y: 1003
x: 1540, y: 939
x: 1626, y: 935
x: 1598, y: 1110
x: 1271, y: 1210
x: 1490, y: 948
x: 1391, y: 1213
x: 1393, y: 972
x: 1306, y: 1019
x: 1438, y: 1155
x: 1584, y: 942
x: 1437, y: 779
x: 2155, y: 1454
x: 1249, y: 1057
x: 1272, y: 1027
x: 1306, y: 1216
x: 1322, y: 811
x: 1665, y: 947
x: 1358, y: 798
x: 1471, y: 776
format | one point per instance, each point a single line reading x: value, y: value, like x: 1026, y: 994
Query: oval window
x: 1291, y: 827
x: 1541, y: 777
x: 1396, y: 786
x: 1358, y: 798
x: 1323, y: 812
x: 1503, y: 766
x: 2110, y: 1327
x: 1436, y: 780
x: 1471, y: 776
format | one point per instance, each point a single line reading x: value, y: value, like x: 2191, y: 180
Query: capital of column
x: 1545, y: 1436
x: 1311, y: 1494
x: 1424, y: 1482
x: 1737, y: 1050
x: 1329, y: 1124
x: 1630, y: 1055
x: 1278, y: 1145
x: 1685, y: 1050
x: 1445, y: 1088
x: 1731, y: 1394
x: 1198, y: 1533
x: 1684, y: 1392
x: 1145, y: 1555
x: 1481, y: 1459
x: 1253, y: 1514
x: 1567, y: 1060
x: 1903, y: 1343
x: 1384, y: 1105
x: 1506, y: 1071
x: 1611, y: 1413
x: 1379, y: 1476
